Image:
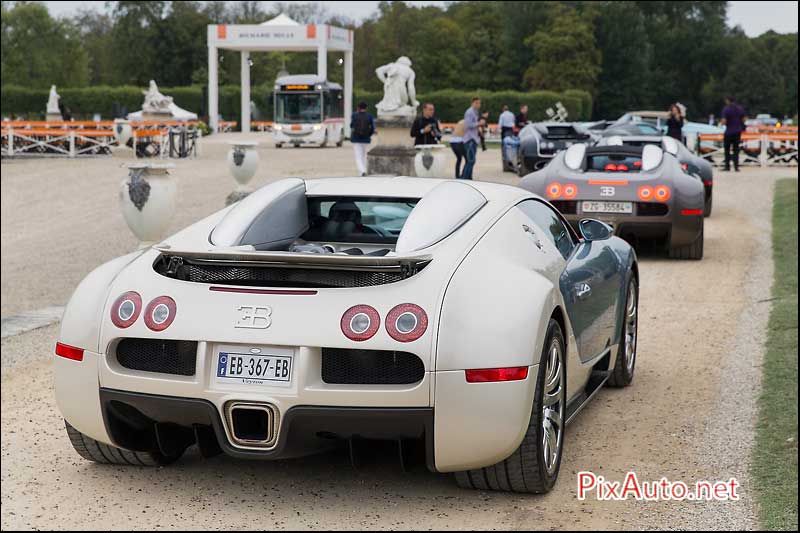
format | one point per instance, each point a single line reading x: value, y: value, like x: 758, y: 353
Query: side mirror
x: 594, y: 230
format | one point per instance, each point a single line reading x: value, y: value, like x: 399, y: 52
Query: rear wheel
x: 279, y: 145
x: 340, y: 142
x: 622, y: 375
x: 534, y: 466
x: 692, y: 251
x: 708, y: 205
x: 98, y: 452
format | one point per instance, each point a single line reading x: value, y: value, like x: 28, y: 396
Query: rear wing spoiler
x: 246, y: 256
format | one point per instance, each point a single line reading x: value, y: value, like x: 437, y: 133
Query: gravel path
x: 687, y: 416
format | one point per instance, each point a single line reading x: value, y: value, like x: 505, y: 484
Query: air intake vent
x: 370, y: 367
x: 650, y: 209
x: 156, y: 355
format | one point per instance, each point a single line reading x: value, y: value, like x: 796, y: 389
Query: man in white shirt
x: 506, y: 122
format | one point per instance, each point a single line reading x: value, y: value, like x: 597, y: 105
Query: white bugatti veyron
x: 466, y: 318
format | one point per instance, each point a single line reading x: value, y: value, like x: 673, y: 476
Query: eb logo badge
x: 607, y: 191
x: 254, y: 317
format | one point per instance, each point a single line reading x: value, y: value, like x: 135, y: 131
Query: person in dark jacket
x: 426, y: 129
x: 521, y: 120
x: 675, y: 123
x: 362, y: 127
x: 733, y: 117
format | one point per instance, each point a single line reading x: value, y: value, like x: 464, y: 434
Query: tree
x: 38, y: 51
x: 134, y: 41
x: 95, y: 34
x: 565, y: 55
x: 754, y: 79
x: 625, y: 69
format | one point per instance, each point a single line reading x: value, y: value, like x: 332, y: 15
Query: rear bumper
x: 138, y: 421
x: 462, y: 425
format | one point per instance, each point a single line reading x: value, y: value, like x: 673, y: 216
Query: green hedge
x: 450, y: 104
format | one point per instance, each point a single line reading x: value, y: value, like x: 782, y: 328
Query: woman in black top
x: 675, y: 123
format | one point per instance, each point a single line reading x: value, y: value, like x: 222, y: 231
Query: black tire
x: 622, y: 375
x: 525, y: 470
x: 340, y: 143
x: 708, y: 205
x: 693, y: 251
x: 279, y: 145
x: 324, y: 143
x: 98, y: 452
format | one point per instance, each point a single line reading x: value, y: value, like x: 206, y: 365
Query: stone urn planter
x: 147, y: 199
x: 242, y: 163
x: 123, y: 131
x: 430, y: 161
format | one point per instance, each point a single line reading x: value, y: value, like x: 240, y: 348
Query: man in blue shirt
x: 733, y: 117
x: 362, y: 126
x: 472, y: 121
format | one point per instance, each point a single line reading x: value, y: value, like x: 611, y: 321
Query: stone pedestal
x: 54, y: 117
x: 394, y: 153
x: 161, y: 118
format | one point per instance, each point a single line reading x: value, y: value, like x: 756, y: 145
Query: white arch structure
x: 280, y: 33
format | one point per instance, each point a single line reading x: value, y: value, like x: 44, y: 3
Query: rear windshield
x: 357, y: 219
x: 614, y: 163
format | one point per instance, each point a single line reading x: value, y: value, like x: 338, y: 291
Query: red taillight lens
x: 692, y: 212
x: 406, y: 322
x: 708, y: 183
x: 554, y: 190
x: 160, y: 313
x: 662, y: 193
x: 646, y: 193
x: 489, y: 375
x: 126, y: 309
x: 622, y: 168
x: 611, y: 167
x: 684, y: 166
x: 570, y: 191
x: 637, y: 163
x: 69, y: 352
x: 360, y: 322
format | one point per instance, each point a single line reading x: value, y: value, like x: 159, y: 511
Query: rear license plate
x: 607, y: 207
x: 254, y: 368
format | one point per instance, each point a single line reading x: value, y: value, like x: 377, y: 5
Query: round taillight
x: 570, y: 191
x: 406, y: 322
x: 360, y: 322
x: 645, y: 193
x: 126, y: 309
x: 662, y: 193
x: 554, y: 190
x: 160, y: 313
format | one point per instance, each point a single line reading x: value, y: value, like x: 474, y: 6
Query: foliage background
x: 622, y: 55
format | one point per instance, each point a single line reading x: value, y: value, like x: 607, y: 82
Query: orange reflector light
x: 69, y: 352
x: 493, y: 375
x: 646, y: 193
x: 570, y: 190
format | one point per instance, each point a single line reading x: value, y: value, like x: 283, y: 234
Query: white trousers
x: 360, y: 150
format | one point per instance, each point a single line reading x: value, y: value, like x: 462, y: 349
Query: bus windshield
x: 298, y: 107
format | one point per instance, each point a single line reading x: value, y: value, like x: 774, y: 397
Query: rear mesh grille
x: 370, y: 367
x: 156, y: 355
x: 288, y: 277
x: 648, y: 209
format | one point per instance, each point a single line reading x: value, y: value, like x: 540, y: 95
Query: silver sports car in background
x: 693, y: 165
x: 539, y: 142
x: 641, y: 191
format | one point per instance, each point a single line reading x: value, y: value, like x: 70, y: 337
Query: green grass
x: 775, y: 454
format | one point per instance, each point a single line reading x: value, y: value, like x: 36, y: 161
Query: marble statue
x: 399, y: 94
x: 52, y: 102
x: 154, y: 101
